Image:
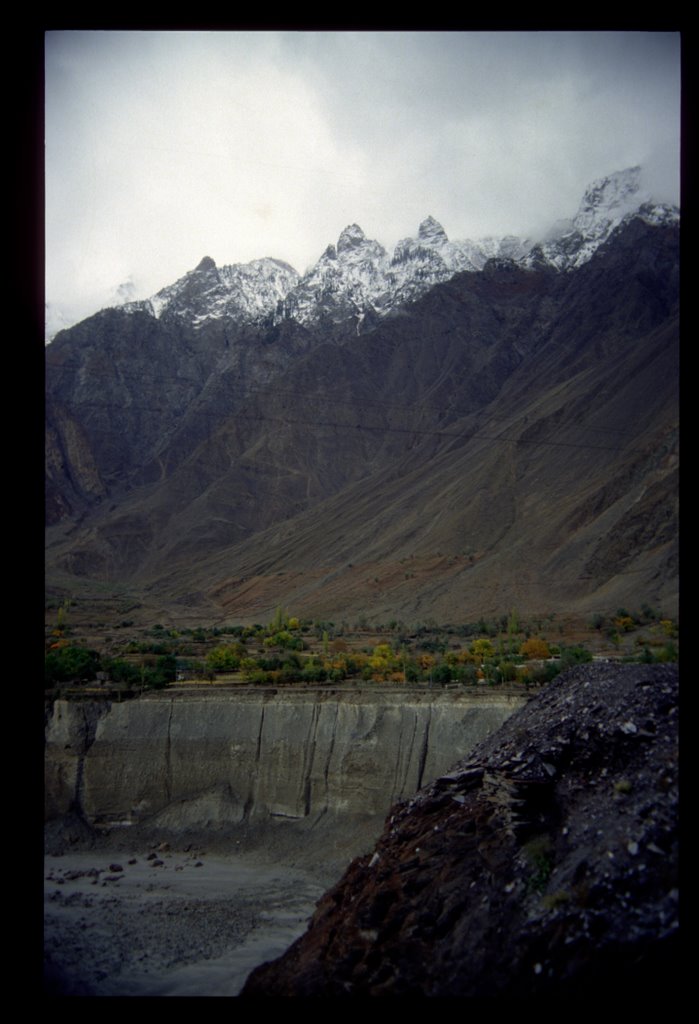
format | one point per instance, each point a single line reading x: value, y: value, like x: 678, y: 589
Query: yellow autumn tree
x: 535, y: 647
x: 482, y: 648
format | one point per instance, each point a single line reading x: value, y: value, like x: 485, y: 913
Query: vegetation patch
x: 506, y: 652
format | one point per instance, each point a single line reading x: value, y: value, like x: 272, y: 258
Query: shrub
x: 575, y: 656
x: 157, y: 676
x: 667, y: 653
x: 467, y: 674
x: 508, y: 670
x: 223, y: 659
x: 538, y: 853
x: 313, y: 674
x: 121, y: 671
x: 441, y: 674
x: 69, y: 665
x: 411, y: 672
x: 624, y: 623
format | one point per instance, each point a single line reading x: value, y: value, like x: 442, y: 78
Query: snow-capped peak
x: 432, y: 231
x: 358, y: 277
x: 607, y: 201
x: 242, y: 291
x: 350, y: 238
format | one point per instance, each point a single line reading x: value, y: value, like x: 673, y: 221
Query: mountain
x: 242, y: 292
x: 606, y: 204
x: 358, y: 278
x: 411, y: 436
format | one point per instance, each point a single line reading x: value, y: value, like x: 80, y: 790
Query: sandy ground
x: 177, y: 924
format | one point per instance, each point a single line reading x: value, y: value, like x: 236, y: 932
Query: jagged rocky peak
x: 609, y: 199
x: 206, y: 264
x: 608, y: 203
x: 432, y: 232
x: 430, y: 244
x: 351, y: 238
x: 357, y: 274
x: 613, y: 189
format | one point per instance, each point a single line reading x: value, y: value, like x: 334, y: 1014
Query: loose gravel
x: 166, y: 923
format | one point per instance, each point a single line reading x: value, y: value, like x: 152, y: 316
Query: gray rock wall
x: 195, y: 762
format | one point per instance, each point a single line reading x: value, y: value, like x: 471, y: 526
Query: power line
x: 271, y: 392
x: 413, y: 431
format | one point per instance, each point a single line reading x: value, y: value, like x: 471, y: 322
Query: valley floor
x: 177, y: 924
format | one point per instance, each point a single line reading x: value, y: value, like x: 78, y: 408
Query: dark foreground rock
x: 544, y: 864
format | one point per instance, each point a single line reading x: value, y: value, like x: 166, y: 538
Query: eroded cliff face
x: 222, y: 762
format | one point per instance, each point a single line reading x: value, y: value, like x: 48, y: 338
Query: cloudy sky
x: 164, y: 147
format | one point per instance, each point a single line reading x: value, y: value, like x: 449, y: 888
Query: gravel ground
x: 164, y: 923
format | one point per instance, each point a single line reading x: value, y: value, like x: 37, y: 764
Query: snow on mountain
x: 607, y: 204
x: 357, y: 277
x: 244, y: 292
x: 347, y: 279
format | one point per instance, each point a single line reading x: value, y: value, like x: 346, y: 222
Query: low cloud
x: 165, y: 147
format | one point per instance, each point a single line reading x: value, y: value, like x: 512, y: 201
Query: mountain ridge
x: 358, y: 277
x: 473, y: 450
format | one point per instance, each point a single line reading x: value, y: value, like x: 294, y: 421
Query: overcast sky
x: 164, y: 147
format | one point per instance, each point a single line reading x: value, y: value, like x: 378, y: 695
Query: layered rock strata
x: 217, y: 763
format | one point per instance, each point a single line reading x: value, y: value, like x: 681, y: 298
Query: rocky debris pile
x: 544, y: 864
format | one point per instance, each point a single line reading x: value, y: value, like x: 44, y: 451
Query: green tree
x: 248, y: 667
x: 466, y: 674
x: 222, y: 659
x: 441, y: 674
x: 70, y: 665
x: 575, y: 656
x: 121, y: 671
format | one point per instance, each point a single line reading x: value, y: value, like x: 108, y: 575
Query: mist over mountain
x: 448, y: 430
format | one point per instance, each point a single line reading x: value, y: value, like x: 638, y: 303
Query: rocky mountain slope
x: 508, y: 437
x: 544, y: 864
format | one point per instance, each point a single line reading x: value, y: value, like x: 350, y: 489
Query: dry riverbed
x: 166, y: 923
